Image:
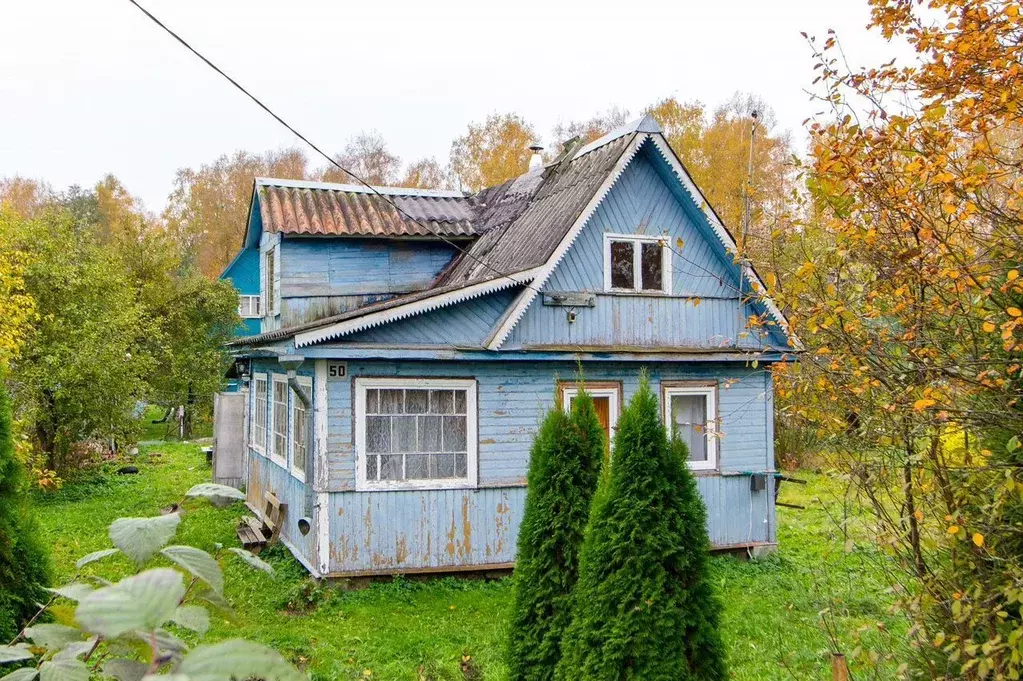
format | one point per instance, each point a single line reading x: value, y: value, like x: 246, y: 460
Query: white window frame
x: 307, y: 384
x: 282, y: 457
x: 259, y: 446
x: 570, y: 390
x: 637, y: 258
x: 471, y: 480
x: 246, y: 298
x: 711, y: 394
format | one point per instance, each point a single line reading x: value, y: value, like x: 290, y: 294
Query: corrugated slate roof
x: 525, y: 228
x: 323, y: 208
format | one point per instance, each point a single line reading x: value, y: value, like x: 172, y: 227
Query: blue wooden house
x: 411, y: 341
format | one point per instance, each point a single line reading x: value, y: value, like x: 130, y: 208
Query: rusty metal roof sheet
x: 323, y: 208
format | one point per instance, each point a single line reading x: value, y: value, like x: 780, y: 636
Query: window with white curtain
x: 258, y: 416
x: 248, y: 306
x: 279, y: 421
x: 691, y: 415
x: 418, y: 433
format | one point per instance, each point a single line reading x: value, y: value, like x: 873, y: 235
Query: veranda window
x: 300, y: 430
x: 416, y: 432
x: 258, y: 416
x: 279, y: 421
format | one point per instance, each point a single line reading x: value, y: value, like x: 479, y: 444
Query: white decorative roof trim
x: 521, y: 304
x: 719, y: 229
x: 411, y: 309
x: 642, y: 124
x: 359, y: 188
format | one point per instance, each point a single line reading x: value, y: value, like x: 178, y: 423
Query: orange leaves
x: 923, y: 403
x: 1014, y: 312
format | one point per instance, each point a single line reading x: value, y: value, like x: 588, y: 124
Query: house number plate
x: 337, y: 370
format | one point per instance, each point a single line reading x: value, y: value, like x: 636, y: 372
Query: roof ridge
x: 359, y: 188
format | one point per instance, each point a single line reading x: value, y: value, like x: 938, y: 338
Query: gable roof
x: 324, y: 208
x: 524, y: 227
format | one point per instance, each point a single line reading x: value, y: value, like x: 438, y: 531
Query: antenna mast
x: 746, y: 208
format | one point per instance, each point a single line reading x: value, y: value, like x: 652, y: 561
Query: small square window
x: 636, y: 263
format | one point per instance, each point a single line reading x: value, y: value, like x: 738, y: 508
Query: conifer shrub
x: 564, y: 466
x: 24, y: 561
x: 643, y: 607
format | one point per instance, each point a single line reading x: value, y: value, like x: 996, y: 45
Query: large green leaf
x: 167, y: 644
x: 240, y: 660
x: 74, y: 591
x: 64, y: 669
x: 53, y: 636
x: 77, y: 648
x: 125, y: 670
x: 94, y: 556
x: 23, y: 674
x: 15, y: 653
x: 144, y: 601
x: 193, y: 617
x: 252, y: 560
x: 219, y: 495
x: 140, y: 538
x: 199, y: 563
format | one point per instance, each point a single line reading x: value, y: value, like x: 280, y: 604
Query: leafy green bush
x: 564, y: 466
x: 24, y: 561
x: 643, y: 607
x: 135, y: 620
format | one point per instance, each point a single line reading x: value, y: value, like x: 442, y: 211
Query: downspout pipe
x: 291, y: 363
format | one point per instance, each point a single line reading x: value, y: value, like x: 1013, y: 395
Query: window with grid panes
x: 416, y: 433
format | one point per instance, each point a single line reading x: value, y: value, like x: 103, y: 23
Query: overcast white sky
x: 92, y: 86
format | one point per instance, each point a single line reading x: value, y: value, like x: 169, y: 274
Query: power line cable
x: 319, y: 151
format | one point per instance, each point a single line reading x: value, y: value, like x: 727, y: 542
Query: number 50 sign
x: 337, y: 370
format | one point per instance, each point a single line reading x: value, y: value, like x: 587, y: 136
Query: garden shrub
x: 564, y: 466
x: 643, y: 607
x: 24, y: 561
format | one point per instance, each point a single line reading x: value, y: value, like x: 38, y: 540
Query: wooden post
x: 839, y: 668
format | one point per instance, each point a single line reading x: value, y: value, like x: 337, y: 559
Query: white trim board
x: 417, y: 307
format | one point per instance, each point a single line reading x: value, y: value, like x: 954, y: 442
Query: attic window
x: 636, y: 263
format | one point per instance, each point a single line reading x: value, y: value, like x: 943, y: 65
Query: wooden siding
x: 462, y: 325
x: 268, y: 476
x: 345, y: 266
x: 454, y: 529
x: 514, y: 396
x: 642, y: 202
x: 311, y: 308
x: 459, y: 529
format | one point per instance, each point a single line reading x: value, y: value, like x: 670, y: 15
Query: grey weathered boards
x: 426, y: 364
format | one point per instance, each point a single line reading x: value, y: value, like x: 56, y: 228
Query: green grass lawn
x: 433, y: 629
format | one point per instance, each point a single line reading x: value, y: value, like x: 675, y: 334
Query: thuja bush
x: 128, y: 630
x: 24, y: 560
x: 564, y: 466
x: 643, y: 607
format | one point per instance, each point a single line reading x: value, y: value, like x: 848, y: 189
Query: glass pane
x: 689, y: 413
x: 460, y: 398
x: 403, y: 433
x: 390, y: 467
x: 443, y: 465
x: 417, y: 401
x: 460, y: 465
x: 373, y: 401
x: 371, y: 467
x: 392, y: 401
x: 442, y: 402
x: 651, y: 266
x: 454, y: 434
x: 429, y: 433
x: 378, y: 434
x: 622, y: 265
x: 417, y: 466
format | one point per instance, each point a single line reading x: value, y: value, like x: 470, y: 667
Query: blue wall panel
x: 268, y: 476
x: 243, y: 272
x: 462, y: 325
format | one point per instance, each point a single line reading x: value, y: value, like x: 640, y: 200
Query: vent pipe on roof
x: 536, y: 160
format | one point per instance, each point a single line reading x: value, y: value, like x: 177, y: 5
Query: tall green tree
x: 564, y: 466
x: 643, y: 607
x: 24, y: 563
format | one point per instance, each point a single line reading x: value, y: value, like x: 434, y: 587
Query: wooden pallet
x: 254, y: 533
